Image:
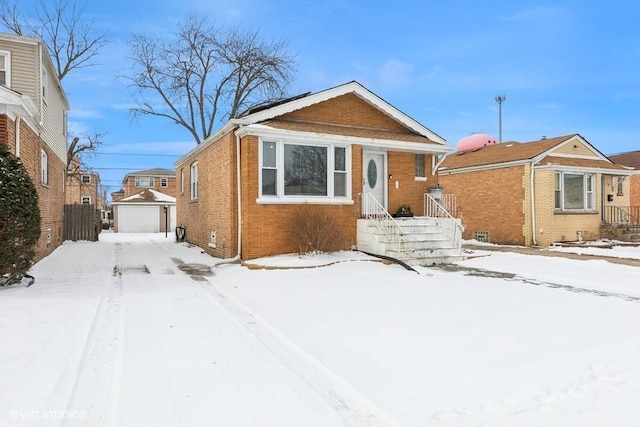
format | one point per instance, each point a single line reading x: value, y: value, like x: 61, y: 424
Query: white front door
x: 374, y: 182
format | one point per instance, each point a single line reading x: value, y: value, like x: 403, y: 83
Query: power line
x: 136, y: 154
x: 120, y: 169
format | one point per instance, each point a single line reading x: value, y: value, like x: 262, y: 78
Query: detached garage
x: 149, y: 211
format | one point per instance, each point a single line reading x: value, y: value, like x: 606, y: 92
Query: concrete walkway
x: 546, y: 252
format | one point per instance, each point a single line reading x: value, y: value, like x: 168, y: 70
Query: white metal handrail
x: 451, y: 226
x: 374, y: 211
x: 447, y: 201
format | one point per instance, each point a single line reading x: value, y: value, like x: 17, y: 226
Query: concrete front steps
x: 422, y: 242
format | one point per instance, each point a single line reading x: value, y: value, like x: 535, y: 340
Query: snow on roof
x: 148, y: 196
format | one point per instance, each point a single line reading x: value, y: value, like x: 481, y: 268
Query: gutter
x: 239, y: 210
x: 533, y: 207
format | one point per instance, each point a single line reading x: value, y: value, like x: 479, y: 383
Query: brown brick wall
x: 76, y: 189
x: 490, y: 200
x: 347, y: 110
x: 409, y: 191
x: 215, y: 208
x: 635, y: 189
x: 130, y: 188
x: 51, y: 195
x: 267, y: 227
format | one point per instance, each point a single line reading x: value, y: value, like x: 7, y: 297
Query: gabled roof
x: 539, y: 153
x: 270, y: 113
x: 353, y: 87
x: 148, y: 196
x: 630, y: 158
x: 502, y: 153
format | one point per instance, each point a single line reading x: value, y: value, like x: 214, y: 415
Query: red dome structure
x: 475, y: 140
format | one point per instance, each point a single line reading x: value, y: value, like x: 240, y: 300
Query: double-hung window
x: 164, y: 182
x: 144, y: 181
x: 574, y: 191
x: 86, y: 179
x: 292, y: 170
x: 44, y: 167
x: 194, y: 181
x: 5, y: 68
x: 419, y: 167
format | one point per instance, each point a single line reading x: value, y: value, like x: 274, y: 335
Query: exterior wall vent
x: 212, y: 239
x: 481, y: 236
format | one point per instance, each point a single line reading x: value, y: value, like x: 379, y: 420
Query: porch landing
x: 423, y: 241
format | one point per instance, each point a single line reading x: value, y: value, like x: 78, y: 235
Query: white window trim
x: 88, y: 181
x: 281, y: 198
x: 422, y: 177
x: 137, y: 179
x: 44, y: 86
x: 7, y: 64
x: 182, y: 181
x: 44, y: 167
x: 193, y: 177
x: 589, y: 197
x: 164, y: 182
x: 82, y: 200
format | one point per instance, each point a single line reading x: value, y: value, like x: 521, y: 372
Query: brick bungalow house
x: 631, y: 159
x: 335, y: 149
x: 33, y: 124
x: 534, y: 193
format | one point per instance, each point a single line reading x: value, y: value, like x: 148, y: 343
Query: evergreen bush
x: 19, y: 219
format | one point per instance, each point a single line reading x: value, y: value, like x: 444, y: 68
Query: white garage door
x: 138, y: 219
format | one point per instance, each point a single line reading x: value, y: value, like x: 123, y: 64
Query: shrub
x: 19, y: 219
x: 610, y: 232
x: 316, y: 229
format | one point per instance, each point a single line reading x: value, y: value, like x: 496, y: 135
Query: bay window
x: 574, y: 191
x: 291, y: 170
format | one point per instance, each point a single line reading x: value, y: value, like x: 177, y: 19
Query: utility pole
x: 500, y: 99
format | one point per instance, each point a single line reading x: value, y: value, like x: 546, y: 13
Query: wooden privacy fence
x: 81, y: 222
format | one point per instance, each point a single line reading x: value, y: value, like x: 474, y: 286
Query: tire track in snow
x: 512, y: 277
x: 97, y: 385
x: 354, y: 407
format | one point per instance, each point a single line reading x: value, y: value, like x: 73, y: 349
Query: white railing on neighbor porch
x: 447, y: 201
x: 375, y: 212
x: 451, y: 226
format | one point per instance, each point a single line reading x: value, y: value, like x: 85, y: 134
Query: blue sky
x: 565, y: 67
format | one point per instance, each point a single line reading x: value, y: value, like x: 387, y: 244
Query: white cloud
x: 532, y: 14
x: 395, y: 73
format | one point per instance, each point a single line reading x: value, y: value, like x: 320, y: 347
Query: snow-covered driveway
x: 133, y: 331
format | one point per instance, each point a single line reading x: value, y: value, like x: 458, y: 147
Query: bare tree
x: 71, y: 41
x: 79, y: 146
x: 204, y: 74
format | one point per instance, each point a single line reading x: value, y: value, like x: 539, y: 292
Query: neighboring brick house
x: 535, y: 193
x: 158, y: 179
x: 33, y: 123
x: 83, y: 187
x: 631, y: 159
x: 240, y: 189
x: 117, y: 195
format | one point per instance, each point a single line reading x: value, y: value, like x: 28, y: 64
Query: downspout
x: 17, y: 135
x: 533, y: 207
x: 239, y: 209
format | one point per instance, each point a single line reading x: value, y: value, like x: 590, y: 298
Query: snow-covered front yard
x: 134, y: 331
